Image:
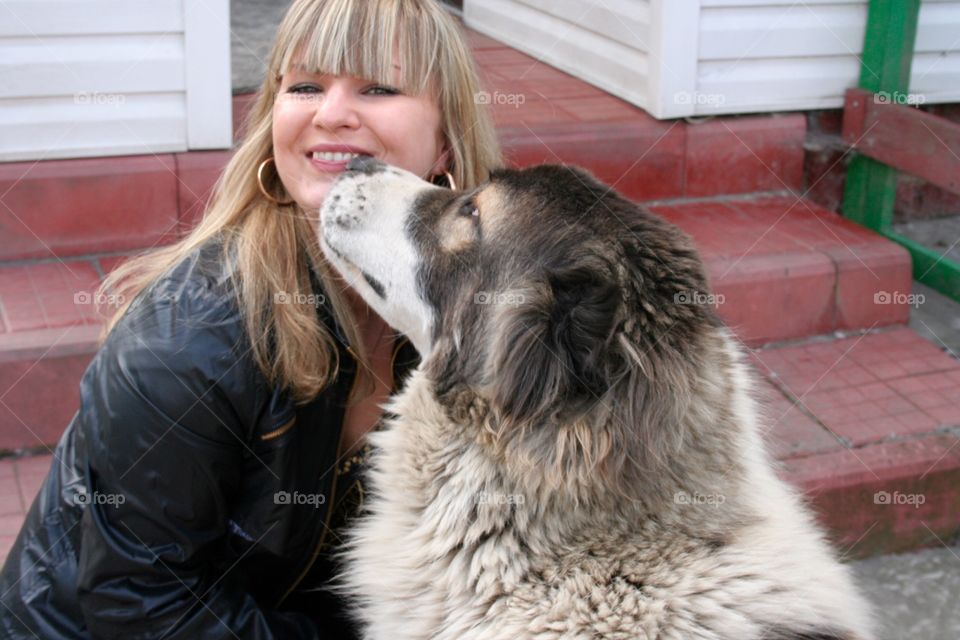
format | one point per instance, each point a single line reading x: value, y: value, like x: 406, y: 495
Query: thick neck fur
x: 595, y: 469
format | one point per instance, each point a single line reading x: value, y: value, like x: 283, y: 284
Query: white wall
x: 605, y: 42
x: 83, y: 78
x: 693, y: 57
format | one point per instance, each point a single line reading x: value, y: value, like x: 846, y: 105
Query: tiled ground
x: 862, y: 390
x: 866, y: 389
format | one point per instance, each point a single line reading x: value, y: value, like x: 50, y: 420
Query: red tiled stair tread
x: 48, y: 294
x: 873, y: 387
x: 787, y: 429
x: 767, y: 254
x: 770, y: 224
x: 756, y: 153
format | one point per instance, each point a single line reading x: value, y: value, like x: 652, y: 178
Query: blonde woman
x: 199, y: 489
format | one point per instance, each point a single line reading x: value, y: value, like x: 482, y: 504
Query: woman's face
x: 321, y: 122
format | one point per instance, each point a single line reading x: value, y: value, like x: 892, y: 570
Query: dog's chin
x: 353, y: 275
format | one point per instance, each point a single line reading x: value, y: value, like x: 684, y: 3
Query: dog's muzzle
x: 367, y: 165
x: 346, y: 202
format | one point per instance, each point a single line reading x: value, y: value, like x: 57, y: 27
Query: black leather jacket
x: 186, y: 499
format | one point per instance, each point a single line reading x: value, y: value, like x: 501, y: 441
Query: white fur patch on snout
x: 363, y: 234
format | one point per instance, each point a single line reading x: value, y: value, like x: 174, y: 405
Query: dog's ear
x: 552, y: 347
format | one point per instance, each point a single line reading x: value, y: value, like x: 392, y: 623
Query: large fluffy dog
x: 578, y: 455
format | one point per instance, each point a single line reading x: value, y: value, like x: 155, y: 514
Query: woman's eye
x: 303, y: 88
x: 381, y: 90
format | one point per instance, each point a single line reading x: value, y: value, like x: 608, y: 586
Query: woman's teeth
x: 334, y: 156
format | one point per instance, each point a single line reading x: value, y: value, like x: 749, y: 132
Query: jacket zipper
x: 333, y: 488
x: 323, y: 536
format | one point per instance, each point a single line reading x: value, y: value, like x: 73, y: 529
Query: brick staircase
x: 853, y: 415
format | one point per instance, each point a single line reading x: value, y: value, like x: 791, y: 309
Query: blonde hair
x: 276, y: 246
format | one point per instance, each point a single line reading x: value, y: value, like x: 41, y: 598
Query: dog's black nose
x: 365, y: 164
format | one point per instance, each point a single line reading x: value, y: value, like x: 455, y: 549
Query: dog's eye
x: 469, y: 209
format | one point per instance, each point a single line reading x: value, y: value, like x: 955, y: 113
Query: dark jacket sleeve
x: 172, y: 391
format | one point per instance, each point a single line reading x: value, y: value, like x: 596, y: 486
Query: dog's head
x: 541, y: 296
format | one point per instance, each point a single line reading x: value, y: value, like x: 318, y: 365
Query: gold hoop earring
x: 263, y: 190
x: 449, y: 178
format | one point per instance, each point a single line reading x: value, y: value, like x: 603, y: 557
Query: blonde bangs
x: 361, y: 39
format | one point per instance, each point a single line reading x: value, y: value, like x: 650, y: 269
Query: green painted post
x: 871, y: 187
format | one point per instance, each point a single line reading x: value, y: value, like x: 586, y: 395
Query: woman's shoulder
x: 207, y: 273
x: 182, y: 344
x: 192, y: 304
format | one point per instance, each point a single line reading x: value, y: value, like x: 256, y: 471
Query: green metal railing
x: 871, y: 184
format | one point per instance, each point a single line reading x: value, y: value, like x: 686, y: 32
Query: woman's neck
x: 374, y: 331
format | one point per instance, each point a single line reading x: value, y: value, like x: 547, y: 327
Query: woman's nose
x: 337, y: 108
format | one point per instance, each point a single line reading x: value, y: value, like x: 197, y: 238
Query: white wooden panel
x: 209, y: 97
x: 88, y: 17
x: 791, y: 84
x: 776, y: 85
x: 602, y: 61
x: 806, y: 29
x: 938, y: 26
x: 113, y: 77
x: 673, y: 68
x: 626, y: 21
x: 777, y: 56
x: 779, y: 31
x: 52, y: 66
x: 936, y: 77
x: 48, y: 128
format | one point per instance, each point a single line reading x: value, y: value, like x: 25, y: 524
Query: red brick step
x: 784, y: 267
